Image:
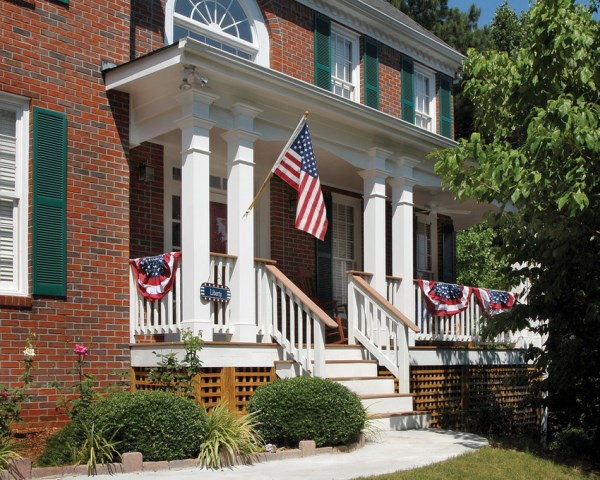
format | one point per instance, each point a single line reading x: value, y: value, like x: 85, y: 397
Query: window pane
x: 7, y: 250
x: 221, y: 16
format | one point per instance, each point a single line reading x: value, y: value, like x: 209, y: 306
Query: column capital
x: 239, y: 134
x: 378, y: 157
x: 195, y: 95
x: 245, y: 110
x: 191, y: 121
x: 374, y: 173
x: 402, y: 182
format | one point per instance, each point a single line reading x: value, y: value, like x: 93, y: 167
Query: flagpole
x: 270, y: 174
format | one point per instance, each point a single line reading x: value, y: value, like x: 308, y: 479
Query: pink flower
x: 80, y: 350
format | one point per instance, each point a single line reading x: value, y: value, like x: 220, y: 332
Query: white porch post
x: 195, y: 207
x: 240, y: 234
x: 374, y: 218
x: 402, y: 241
x: 433, y: 220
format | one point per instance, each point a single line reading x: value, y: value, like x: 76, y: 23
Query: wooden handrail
x: 223, y: 255
x: 285, y: 281
x: 383, y: 303
x: 266, y: 261
x: 393, y: 278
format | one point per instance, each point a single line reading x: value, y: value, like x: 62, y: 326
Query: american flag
x: 297, y: 167
x: 445, y: 298
x: 155, y: 276
x: 493, y: 302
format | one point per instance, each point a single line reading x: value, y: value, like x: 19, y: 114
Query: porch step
x: 350, y: 368
x: 410, y: 420
x: 367, y: 385
x: 345, y: 352
x: 385, y: 403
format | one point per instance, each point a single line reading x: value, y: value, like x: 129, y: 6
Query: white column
x: 195, y: 207
x: 402, y: 243
x: 240, y: 230
x: 374, y: 218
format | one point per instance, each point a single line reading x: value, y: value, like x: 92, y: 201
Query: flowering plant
x: 28, y: 355
x: 83, y: 388
x: 81, y: 351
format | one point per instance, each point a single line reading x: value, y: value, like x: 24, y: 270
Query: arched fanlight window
x: 223, y: 24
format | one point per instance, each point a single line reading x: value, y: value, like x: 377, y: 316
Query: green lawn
x: 493, y: 464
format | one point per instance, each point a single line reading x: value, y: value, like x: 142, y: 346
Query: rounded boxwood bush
x: 302, y: 408
x: 159, y: 425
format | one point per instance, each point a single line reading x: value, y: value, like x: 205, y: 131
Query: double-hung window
x: 419, y: 95
x: 337, y: 62
x: 344, y: 65
x: 424, y: 100
x: 14, y: 123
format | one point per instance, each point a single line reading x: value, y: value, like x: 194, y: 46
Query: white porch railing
x: 160, y: 316
x: 465, y: 326
x: 165, y: 315
x: 380, y: 327
x: 287, y: 315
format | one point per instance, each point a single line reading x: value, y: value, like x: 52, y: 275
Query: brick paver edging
x: 133, y: 462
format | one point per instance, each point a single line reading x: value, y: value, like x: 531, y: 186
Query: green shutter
x: 445, y: 106
x: 49, y: 203
x: 324, y: 250
x: 408, y: 90
x: 371, y: 61
x: 323, y: 53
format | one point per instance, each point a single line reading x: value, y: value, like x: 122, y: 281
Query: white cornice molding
x: 366, y: 19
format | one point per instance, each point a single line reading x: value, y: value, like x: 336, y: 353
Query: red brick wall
x: 293, y: 249
x: 146, y: 203
x: 147, y: 27
x: 51, y: 54
x: 390, y: 97
x: 290, y: 27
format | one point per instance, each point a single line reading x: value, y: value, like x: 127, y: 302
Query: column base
x: 245, y: 333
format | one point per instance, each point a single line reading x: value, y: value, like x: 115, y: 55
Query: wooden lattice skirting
x: 234, y: 385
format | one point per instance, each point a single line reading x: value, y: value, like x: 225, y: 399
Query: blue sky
x: 488, y: 7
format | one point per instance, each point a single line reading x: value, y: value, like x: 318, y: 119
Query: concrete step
x: 367, y: 385
x: 400, y: 420
x: 350, y: 368
x: 345, y: 352
x: 387, y: 403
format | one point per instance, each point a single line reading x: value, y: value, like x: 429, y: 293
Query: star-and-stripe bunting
x: 445, y: 298
x: 155, y: 276
x: 493, y: 302
x: 297, y: 167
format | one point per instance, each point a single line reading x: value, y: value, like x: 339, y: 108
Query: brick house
x: 133, y: 128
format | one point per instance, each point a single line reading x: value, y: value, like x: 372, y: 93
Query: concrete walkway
x: 390, y: 452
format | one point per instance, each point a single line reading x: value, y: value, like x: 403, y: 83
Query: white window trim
x: 430, y: 74
x: 356, y: 203
x: 354, y: 38
x: 260, y: 49
x: 426, y: 220
x: 20, y: 284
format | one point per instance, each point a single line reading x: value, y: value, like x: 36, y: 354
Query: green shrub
x: 159, y: 425
x: 302, y: 408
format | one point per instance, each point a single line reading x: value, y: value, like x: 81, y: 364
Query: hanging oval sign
x: 215, y: 293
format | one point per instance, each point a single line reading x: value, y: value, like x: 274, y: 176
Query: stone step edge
x: 398, y: 414
x: 370, y: 396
